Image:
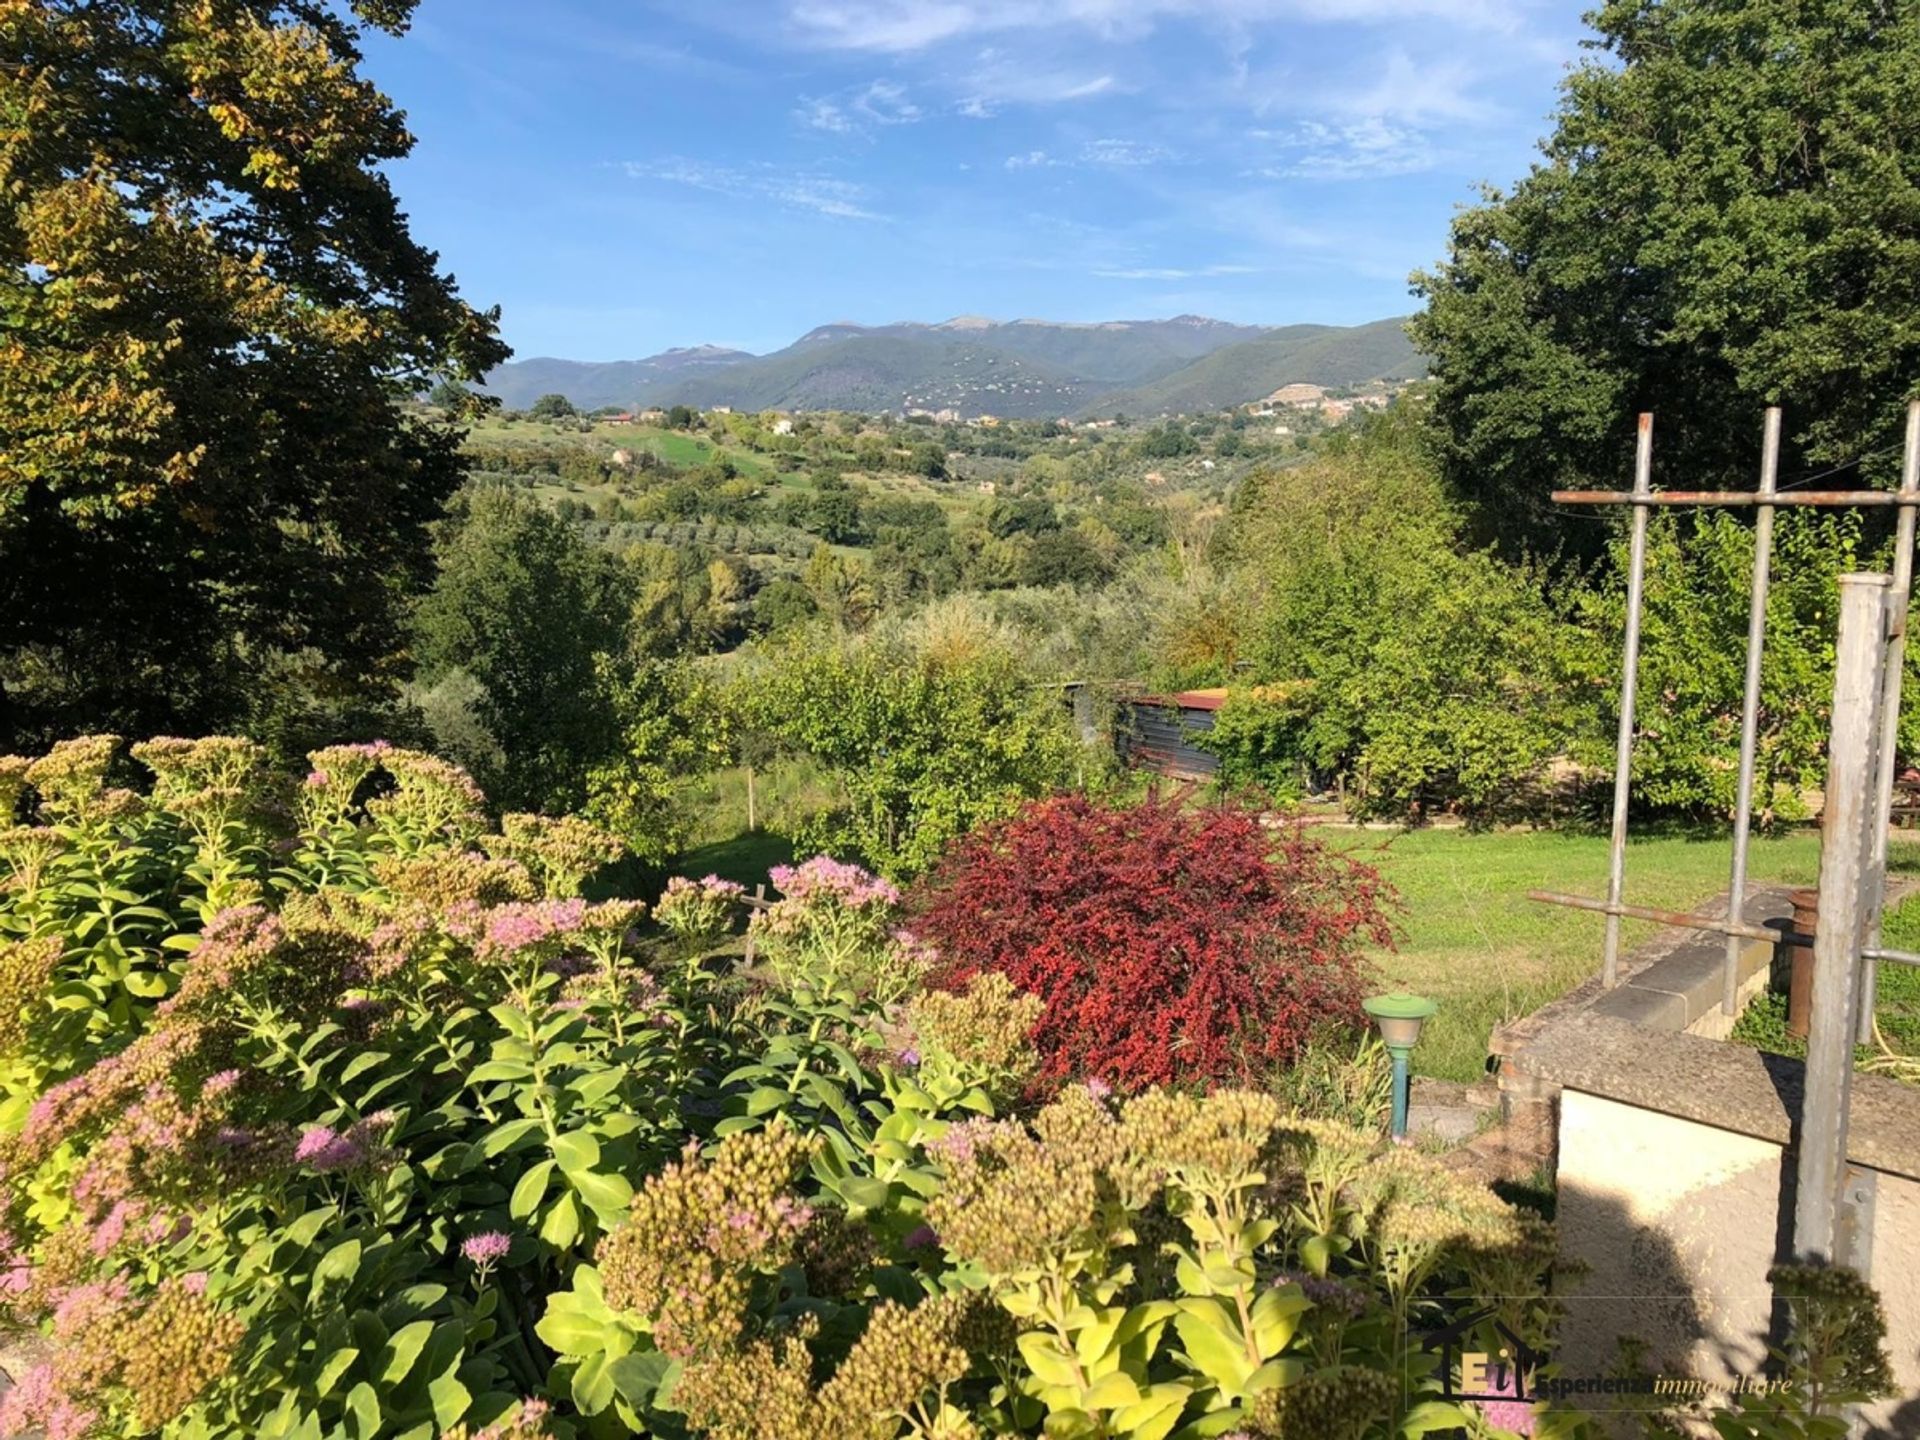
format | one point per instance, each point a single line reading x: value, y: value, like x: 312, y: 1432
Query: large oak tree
x: 1726, y: 216
x: 213, y: 495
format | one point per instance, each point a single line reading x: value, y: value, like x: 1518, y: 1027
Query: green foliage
x: 214, y: 495
x: 551, y: 407
x: 1724, y: 218
x: 1385, y: 656
x: 1835, y: 1358
x: 1693, y: 662
x: 1104, y: 1272
x: 671, y: 725
x: 522, y: 609
x: 927, y: 734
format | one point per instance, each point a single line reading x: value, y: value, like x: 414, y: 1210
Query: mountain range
x: 1020, y: 368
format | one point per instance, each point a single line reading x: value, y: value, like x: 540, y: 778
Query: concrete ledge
x: 1684, y: 987
x: 1713, y: 1083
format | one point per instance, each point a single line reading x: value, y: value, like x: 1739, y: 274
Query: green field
x: 1474, y: 942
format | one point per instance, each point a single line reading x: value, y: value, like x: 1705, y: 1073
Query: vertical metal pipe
x: 1750, y: 704
x: 1402, y: 1082
x: 1890, y: 716
x: 1629, y: 682
x: 1858, y: 672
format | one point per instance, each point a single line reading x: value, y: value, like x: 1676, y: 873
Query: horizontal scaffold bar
x: 1831, y: 499
x: 1685, y: 919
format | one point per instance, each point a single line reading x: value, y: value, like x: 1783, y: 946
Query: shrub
x: 926, y: 734
x: 1171, y: 942
x: 699, y: 912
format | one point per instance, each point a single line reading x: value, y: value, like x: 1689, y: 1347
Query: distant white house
x: 783, y: 426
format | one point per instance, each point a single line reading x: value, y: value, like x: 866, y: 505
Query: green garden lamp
x: 1399, y: 1017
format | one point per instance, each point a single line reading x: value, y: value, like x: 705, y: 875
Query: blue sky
x: 626, y: 175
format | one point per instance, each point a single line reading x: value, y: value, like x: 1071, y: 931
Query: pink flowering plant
x: 409, y: 1138
x: 831, y: 931
x: 699, y: 913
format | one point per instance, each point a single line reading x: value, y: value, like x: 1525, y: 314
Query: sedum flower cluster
x: 698, y: 1231
x: 981, y: 1032
x: 148, y: 1357
x: 699, y: 912
x: 832, y: 932
x: 1021, y: 1201
x: 561, y: 853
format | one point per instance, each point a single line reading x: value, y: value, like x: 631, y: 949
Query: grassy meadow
x: 1475, y: 943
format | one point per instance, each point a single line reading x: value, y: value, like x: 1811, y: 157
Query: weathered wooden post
x: 1845, y: 852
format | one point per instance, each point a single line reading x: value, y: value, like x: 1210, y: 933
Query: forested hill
x: 1318, y: 354
x: 1026, y: 368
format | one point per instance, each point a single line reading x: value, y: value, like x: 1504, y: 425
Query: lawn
x: 1469, y: 938
x: 1475, y: 943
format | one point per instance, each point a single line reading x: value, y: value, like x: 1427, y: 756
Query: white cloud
x: 1123, y: 154
x: 894, y: 26
x: 824, y: 115
x: 1205, y: 272
x: 878, y: 103
x: 1000, y: 77
x: 1366, y: 149
x: 1421, y: 92
x: 836, y: 198
x: 1106, y: 154
x: 821, y: 194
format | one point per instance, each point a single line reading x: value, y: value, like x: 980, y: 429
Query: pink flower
x: 328, y: 1150
x: 36, y: 1402
x: 487, y: 1248
x: 1514, y: 1415
x: 324, y: 1149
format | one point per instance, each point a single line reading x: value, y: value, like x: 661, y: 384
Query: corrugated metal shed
x: 1157, y: 732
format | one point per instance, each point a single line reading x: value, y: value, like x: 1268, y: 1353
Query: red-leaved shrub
x: 1171, y: 942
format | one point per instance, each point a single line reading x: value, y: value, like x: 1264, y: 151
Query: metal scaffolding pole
x: 1750, y: 707
x: 1860, y: 668
x: 1890, y: 715
x: 1629, y: 682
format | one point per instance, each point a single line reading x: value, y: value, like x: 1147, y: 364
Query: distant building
x: 719, y: 409
x: 1299, y: 396
x: 621, y: 417
x: 783, y: 426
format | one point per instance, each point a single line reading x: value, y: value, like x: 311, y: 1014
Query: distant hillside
x: 1317, y: 354
x: 890, y: 371
x: 591, y: 385
x: 1025, y: 368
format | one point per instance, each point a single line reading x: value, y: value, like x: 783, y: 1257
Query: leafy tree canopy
x: 1727, y: 216
x: 212, y: 316
x: 516, y: 622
